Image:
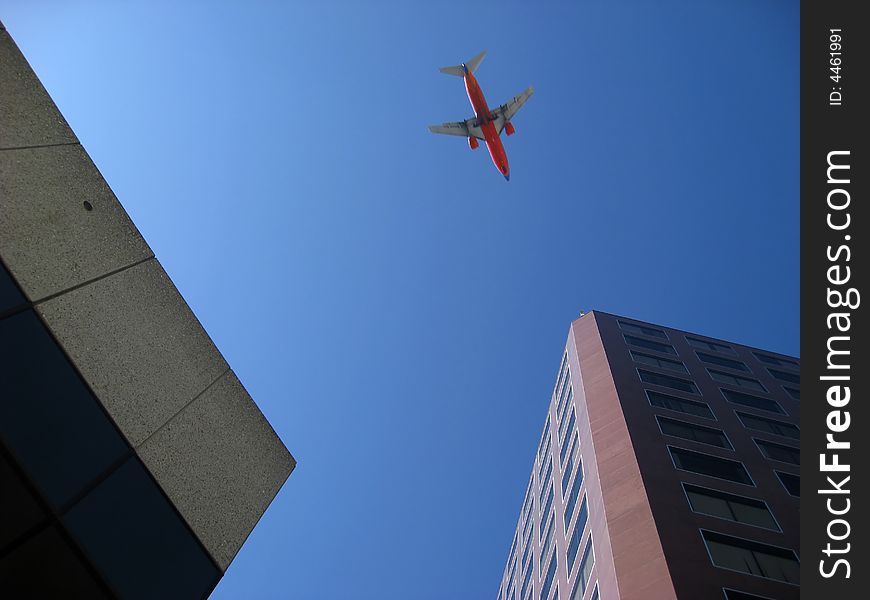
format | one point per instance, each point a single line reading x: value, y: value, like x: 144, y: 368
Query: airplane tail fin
x: 467, y: 67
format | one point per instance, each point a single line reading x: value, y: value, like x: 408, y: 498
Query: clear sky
x: 396, y: 308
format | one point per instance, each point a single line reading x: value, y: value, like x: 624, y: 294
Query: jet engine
x: 509, y: 128
x: 473, y: 143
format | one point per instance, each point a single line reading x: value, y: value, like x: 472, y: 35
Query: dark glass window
x: 753, y: 401
x: 137, y: 541
x: 744, y: 382
x: 49, y: 418
x: 548, y: 580
x: 712, y: 466
x: 594, y: 595
x: 690, y: 407
x: 661, y: 363
x: 546, y: 480
x: 731, y: 507
x: 585, y: 573
x: 526, y: 552
x: 796, y: 394
x: 642, y: 330
x: 10, y: 296
x: 566, y: 393
x: 46, y: 566
x: 526, y: 581
x: 566, y: 474
x: 549, y: 501
x: 549, y: 529
x: 791, y: 483
x: 777, y: 362
x: 572, y: 498
x: 783, y: 376
x: 544, y: 446
x: 752, y: 557
x: 667, y: 381
x: 574, y: 544
x: 696, y: 433
x: 649, y: 344
x: 735, y: 595
x: 565, y: 431
x: 769, y: 425
x: 722, y: 362
x: 714, y: 346
x: 779, y: 452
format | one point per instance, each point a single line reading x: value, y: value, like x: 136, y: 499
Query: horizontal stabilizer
x: 466, y: 67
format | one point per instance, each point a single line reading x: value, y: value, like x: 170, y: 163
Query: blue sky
x: 394, y: 306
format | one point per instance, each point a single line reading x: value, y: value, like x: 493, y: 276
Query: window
x: 661, y: 363
x: 572, y: 498
x: 778, y: 362
x: 642, y: 330
x: 566, y: 474
x: 739, y: 509
x: 796, y: 394
x: 549, y: 501
x: 753, y: 401
x: 549, y: 529
x: 753, y: 558
x: 707, y: 345
x: 566, y: 393
x: 735, y: 595
x: 594, y: 595
x: 526, y: 552
x: 769, y: 425
x: 526, y: 583
x: 570, y: 427
x: 791, y: 483
x: 565, y: 445
x: 544, y: 445
x: 712, y: 466
x: 546, y: 481
x: 696, y: 433
x: 574, y: 544
x: 690, y: 407
x: 548, y: 581
x: 586, y: 565
x: 649, y: 344
x: 783, y: 376
x: 722, y: 362
x: 779, y: 452
x: 667, y: 381
x: 744, y: 382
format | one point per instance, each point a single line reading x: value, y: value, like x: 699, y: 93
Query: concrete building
x: 133, y: 463
x: 668, y: 468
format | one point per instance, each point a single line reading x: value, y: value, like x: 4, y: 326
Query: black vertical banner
x: 835, y: 372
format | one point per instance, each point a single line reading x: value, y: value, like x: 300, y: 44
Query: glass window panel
x: 642, y: 330
x: 526, y: 581
x: 137, y: 541
x: 46, y: 566
x: 779, y: 452
x: 649, y: 344
x: 783, y: 376
x: 730, y: 506
x: 548, y: 580
x: 574, y: 544
x: 690, y: 407
x: 572, y: 499
x: 752, y: 557
x: 753, y: 514
x: 709, y: 505
x: 655, y: 361
x: 744, y: 382
x: 791, y: 483
x: 546, y: 480
x: 667, y: 381
x: 769, y: 425
x: 586, y: 565
x: 49, y: 418
x: 722, y: 362
x: 777, y: 362
x: 549, y: 501
x: 594, y: 595
x: 753, y: 401
x: 712, y: 466
x: 707, y: 345
x: 690, y: 431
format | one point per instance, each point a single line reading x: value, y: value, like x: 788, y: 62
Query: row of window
x: 727, y: 469
x: 791, y: 374
x: 717, y: 437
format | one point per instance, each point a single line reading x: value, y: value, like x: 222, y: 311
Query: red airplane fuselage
x: 483, y: 114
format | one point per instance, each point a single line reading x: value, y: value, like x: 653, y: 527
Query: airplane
x: 486, y: 124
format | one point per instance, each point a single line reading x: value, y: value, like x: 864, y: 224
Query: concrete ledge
x: 220, y: 463
x: 28, y: 117
x: 137, y: 344
x: 49, y: 238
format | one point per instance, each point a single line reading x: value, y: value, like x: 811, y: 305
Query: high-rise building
x: 133, y: 462
x: 668, y: 467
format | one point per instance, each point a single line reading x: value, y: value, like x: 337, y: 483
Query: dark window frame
x: 748, y: 543
x: 660, y: 418
x: 671, y: 448
x: 688, y: 401
x: 687, y: 485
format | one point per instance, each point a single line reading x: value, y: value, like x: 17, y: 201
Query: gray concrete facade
x: 92, y: 279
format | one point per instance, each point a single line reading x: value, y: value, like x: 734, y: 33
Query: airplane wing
x: 469, y: 128
x: 506, y: 111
